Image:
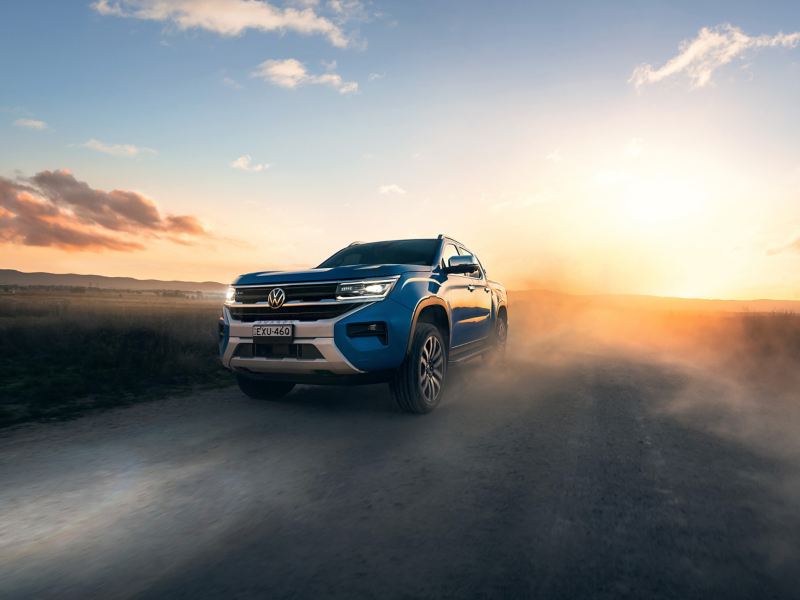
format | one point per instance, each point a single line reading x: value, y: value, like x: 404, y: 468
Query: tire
x: 418, y: 384
x: 260, y: 389
x: 499, y: 338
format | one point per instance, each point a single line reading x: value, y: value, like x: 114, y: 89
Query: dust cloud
x: 741, y: 366
x: 734, y: 375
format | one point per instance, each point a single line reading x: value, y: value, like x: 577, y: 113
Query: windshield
x: 396, y: 252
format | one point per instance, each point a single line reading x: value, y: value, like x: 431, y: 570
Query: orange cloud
x: 53, y: 208
x: 793, y: 246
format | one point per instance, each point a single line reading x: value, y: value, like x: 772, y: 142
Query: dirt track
x: 578, y: 480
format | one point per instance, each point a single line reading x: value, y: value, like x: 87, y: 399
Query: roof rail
x: 452, y: 239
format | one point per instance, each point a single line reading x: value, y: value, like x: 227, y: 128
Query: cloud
x: 791, y: 247
x: 126, y: 150
x: 554, y: 156
x: 228, y: 17
x: 376, y: 76
x: 391, y: 188
x: 713, y: 48
x: 291, y: 73
x: 348, y: 10
x: 245, y: 163
x: 232, y: 83
x: 53, y: 208
x: 31, y: 124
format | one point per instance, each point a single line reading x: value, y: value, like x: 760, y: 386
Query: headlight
x: 370, y: 289
x: 230, y: 294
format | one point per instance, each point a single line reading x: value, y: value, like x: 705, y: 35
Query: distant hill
x: 545, y: 297
x: 657, y: 303
x: 13, y: 277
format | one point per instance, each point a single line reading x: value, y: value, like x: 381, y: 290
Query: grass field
x: 65, y: 351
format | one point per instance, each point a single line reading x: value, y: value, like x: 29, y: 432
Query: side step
x: 467, y: 355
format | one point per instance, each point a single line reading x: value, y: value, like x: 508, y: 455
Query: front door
x: 470, y: 302
x: 478, y: 311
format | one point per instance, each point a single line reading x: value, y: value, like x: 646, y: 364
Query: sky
x: 647, y: 147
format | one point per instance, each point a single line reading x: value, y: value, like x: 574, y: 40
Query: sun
x: 662, y: 201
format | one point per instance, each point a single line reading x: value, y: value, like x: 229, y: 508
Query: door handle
x: 471, y: 287
x: 487, y: 290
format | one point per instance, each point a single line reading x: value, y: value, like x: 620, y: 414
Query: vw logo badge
x: 276, y: 298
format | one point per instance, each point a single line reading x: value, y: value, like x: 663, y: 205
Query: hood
x: 332, y: 274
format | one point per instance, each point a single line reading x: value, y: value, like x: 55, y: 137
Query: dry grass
x: 63, y: 352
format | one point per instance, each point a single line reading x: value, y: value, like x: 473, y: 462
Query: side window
x: 477, y: 274
x: 449, y: 251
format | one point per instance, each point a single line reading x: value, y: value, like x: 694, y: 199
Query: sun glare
x: 662, y: 201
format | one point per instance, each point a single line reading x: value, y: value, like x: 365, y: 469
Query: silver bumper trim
x: 333, y: 361
x: 317, y: 333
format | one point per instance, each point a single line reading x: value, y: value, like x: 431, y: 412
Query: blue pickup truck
x: 394, y: 311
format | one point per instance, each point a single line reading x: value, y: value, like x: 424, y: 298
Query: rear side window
x: 449, y: 252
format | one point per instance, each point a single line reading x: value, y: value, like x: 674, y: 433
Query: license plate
x: 273, y: 333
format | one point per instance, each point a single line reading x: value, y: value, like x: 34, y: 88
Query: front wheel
x: 260, y: 389
x: 419, y: 382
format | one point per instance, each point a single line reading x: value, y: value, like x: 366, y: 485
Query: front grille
x: 311, y: 292
x: 287, y: 312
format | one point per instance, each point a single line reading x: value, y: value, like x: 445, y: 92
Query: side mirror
x: 461, y: 265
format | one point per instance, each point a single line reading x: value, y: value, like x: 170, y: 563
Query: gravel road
x: 583, y: 478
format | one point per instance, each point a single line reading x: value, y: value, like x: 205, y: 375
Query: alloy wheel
x: 431, y: 369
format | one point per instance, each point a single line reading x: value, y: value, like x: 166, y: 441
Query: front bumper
x: 319, y: 334
x: 341, y: 355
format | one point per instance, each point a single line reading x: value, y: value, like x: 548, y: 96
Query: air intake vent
x: 296, y: 351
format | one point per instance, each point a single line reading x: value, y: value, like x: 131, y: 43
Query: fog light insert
x: 376, y: 329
